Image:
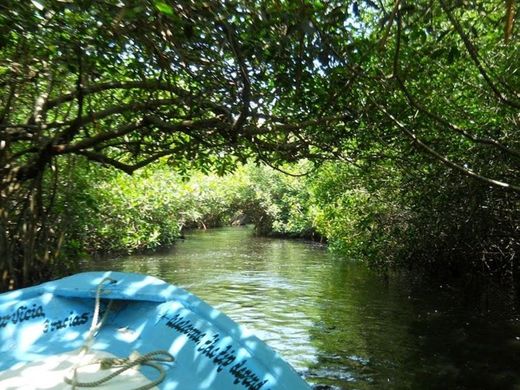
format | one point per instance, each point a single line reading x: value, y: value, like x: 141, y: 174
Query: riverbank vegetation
x: 117, y: 213
x: 360, y: 212
x: 404, y: 115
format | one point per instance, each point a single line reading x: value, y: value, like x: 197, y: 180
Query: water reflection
x: 336, y: 322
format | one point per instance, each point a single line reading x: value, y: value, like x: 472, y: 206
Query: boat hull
x: 145, y: 315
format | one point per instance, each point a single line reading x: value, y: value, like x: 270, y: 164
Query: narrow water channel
x: 339, y: 324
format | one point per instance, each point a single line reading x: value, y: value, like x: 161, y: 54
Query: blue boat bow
x: 142, y: 315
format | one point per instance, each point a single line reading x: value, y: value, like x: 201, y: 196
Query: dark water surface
x: 340, y: 325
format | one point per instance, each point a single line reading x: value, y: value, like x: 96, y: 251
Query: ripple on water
x: 340, y: 325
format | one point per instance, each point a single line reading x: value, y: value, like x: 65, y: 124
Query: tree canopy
x: 127, y: 83
x: 207, y: 84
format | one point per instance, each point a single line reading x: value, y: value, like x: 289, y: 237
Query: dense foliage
x: 417, y: 103
x: 150, y: 210
x: 117, y: 213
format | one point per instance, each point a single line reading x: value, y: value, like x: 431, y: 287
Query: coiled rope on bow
x: 148, y: 359
x: 133, y: 360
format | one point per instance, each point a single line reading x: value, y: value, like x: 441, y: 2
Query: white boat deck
x: 50, y: 373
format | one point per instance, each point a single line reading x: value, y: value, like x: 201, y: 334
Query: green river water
x: 339, y: 324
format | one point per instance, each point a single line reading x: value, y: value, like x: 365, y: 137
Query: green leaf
x: 163, y: 8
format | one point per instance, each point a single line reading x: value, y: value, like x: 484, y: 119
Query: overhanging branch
x: 446, y: 161
x: 127, y: 168
x: 414, y: 103
x: 472, y: 51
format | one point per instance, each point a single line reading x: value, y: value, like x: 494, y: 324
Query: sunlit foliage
x: 421, y: 99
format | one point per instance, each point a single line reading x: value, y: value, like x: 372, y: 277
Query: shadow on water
x: 376, y: 333
x: 340, y: 325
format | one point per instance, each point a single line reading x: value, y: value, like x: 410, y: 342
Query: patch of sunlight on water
x: 336, y: 322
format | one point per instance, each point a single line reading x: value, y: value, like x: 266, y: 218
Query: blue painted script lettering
x: 22, y: 314
x: 221, y: 356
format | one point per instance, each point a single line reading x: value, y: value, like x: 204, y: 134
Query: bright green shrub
x: 361, y: 223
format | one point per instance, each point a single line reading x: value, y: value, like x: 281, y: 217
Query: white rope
x: 94, y: 327
x: 145, y: 360
x: 148, y: 359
